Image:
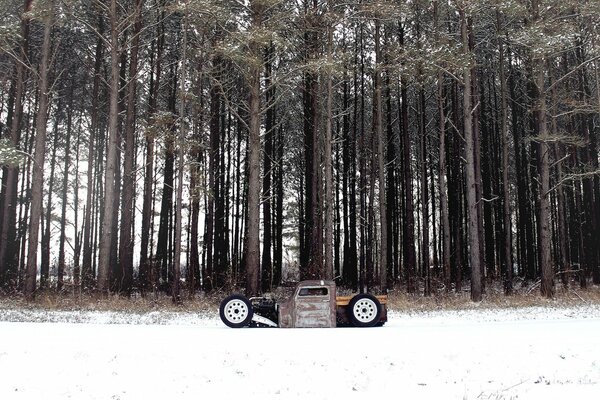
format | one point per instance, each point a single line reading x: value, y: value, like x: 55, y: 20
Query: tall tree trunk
x: 545, y: 257
x: 473, y: 220
x: 127, y: 205
x: 408, y: 233
x: 86, y: 266
x: 24, y: 214
x: 279, y: 193
x: 589, y: 159
x: 314, y: 199
x: 252, y: 244
x: 442, y: 179
x: 563, y: 250
x: 476, y: 131
x: 221, y: 235
x: 175, y: 287
x: 147, y: 267
x: 213, y: 181
x: 508, y: 273
x: 65, y: 189
x: 425, y: 250
x: 194, y: 277
x: 391, y: 191
x: 267, y: 265
x: 47, y: 225
x: 307, y: 223
x: 78, y: 233
x: 163, y: 245
x: 594, y: 144
x: 8, y: 198
x: 349, y: 273
x: 381, y: 156
x: 37, y: 179
x: 327, y: 162
x: 108, y: 228
x: 362, y: 164
x: 237, y: 233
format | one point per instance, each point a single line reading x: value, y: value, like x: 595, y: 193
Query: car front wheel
x: 236, y: 311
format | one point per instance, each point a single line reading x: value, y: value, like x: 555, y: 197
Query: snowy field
x: 530, y: 353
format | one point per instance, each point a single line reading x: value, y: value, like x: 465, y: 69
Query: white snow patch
x: 530, y: 353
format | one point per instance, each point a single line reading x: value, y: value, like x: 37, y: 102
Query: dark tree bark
x: 442, y: 169
x: 221, y: 232
x: 472, y: 216
x: 252, y: 245
x: 267, y: 265
x: 127, y: 205
x: 37, y: 179
x: 362, y: 165
x: 78, y: 231
x: 545, y: 260
x: 312, y: 268
x: 349, y: 274
x: 381, y: 158
x: 408, y: 233
x: 163, y: 245
x: 181, y: 137
x: 328, y: 195
x: 391, y: 191
x: 24, y: 209
x: 65, y: 190
x: 213, y: 184
x: 563, y: 258
x: 87, y: 275
x: 147, y: 275
x: 47, y: 224
x: 193, y: 276
x: 108, y: 228
x: 507, y: 248
x: 425, y: 250
x: 9, y: 245
x: 279, y: 220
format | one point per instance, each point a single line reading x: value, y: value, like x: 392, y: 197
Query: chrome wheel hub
x: 365, y: 310
x: 236, y: 311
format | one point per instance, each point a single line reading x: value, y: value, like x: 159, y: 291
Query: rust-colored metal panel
x: 312, y: 306
x: 286, y: 318
x: 315, y: 305
x: 345, y: 300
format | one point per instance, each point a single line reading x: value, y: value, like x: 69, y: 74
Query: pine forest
x: 180, y: 146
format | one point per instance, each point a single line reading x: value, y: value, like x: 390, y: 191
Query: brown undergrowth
x: 494, y: 298
x: 398, y: 300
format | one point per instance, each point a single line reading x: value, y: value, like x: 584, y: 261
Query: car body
x: 313, y: 304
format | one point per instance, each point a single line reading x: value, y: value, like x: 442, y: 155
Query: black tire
x: 364, y: 310
x: 236, y: 311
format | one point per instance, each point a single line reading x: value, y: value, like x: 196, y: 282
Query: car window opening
x: 318, y: 291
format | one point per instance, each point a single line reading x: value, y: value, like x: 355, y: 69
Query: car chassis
x: 314, y: 304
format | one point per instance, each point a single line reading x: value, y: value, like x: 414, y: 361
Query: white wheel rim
x: 365, y: 310
x: 236, y: 311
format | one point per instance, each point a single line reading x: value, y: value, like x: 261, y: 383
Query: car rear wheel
x: 364, y: 310
x: 236, y: 311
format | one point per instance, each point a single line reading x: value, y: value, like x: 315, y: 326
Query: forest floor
x: 207, y: 305
x: 443, y: 347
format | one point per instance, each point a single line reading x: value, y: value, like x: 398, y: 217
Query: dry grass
x: 399, y: 300
x: 50, y: 300
x: 493, y: 298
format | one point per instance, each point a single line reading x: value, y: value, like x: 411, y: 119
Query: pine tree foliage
x: 150, y: 144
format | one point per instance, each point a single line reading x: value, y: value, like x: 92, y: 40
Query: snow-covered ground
x: 529, y: 353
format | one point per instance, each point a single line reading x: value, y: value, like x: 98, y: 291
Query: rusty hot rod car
x: 314, y: 304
